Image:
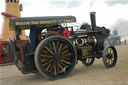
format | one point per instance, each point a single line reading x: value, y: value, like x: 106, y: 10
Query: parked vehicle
x: 54, y: 50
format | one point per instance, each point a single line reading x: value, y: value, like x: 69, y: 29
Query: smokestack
x: 93, y: 20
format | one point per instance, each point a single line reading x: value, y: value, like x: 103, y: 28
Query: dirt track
x: 97, y: 74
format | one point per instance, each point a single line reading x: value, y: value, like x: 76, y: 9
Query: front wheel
x: 55, y: 57
x: 109, y: 56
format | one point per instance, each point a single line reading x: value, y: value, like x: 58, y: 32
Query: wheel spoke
x: 112, y: 54
x: 108, y: 61
x: 50, y: 46
x: 111, y: 60
x: 48, y: 66
x: 60, y: 66
x: 57, y: 45
x: 66, y: 58
x: 54, y: 47
x: 46, y: 56
x: 60, y: 47
x: 108, y: 51
x: 107, y: 56
x: 68, y: 54
x: 46, y: 52
x: 64, y: 48
x: 48, y: 62
x: 111, y: 51
x: 63, y: 64
x: 65, y: 51
x: 55, y: 69
x: 44, y: 60
x: 49, y: 50
x: 66, y: 62
x: 52, y: 66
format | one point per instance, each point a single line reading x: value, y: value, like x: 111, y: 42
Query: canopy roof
x: 26, y: 22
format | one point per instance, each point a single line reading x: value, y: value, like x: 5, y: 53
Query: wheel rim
x: 56, y: 58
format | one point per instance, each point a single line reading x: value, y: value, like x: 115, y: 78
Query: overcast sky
x: 109, y: 13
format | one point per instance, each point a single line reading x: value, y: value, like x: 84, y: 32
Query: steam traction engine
x: 54, y: 50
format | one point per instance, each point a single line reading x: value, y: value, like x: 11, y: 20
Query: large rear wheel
x: 55, y: 57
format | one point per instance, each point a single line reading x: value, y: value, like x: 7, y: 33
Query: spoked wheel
x: 55, y: 57
x: 109, y: 56
x: 88, y: 61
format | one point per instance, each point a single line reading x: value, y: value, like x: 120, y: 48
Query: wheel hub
x: 57, y: 57
x: 109, y: 56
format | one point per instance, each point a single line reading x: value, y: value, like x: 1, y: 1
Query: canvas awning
x: 26, y: 22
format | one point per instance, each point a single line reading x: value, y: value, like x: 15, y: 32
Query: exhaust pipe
x: 93, y: 20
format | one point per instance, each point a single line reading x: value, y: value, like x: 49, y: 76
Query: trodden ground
x: 96, y: 74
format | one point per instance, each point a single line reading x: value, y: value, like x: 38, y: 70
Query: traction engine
x: 53, y: 49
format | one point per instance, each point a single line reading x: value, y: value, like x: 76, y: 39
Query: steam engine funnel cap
x: 93, y: 12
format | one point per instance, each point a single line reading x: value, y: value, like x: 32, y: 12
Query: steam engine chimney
x: 93, y: 20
